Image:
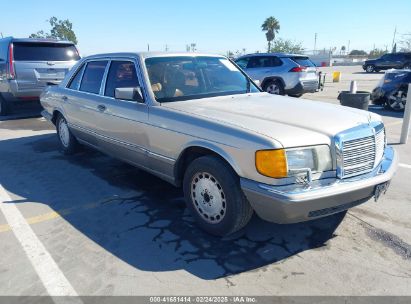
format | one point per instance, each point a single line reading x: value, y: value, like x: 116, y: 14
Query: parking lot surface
x: 111, y: 229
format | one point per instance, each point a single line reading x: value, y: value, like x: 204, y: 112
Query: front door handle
x: 101, y: 108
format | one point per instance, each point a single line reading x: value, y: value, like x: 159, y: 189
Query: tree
x: 375, y: 53
x: 342, y: 50
x: 358, y: 53
x: 287, y: 46
x: 406, y: 43
x: 60, y: 29
x: 271, y: 26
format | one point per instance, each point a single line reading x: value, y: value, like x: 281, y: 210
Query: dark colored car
x: 388, y: 61
x: 392, y: 90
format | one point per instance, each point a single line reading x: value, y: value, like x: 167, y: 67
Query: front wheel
x: 67, y: 141
x: 213, y: 195
x: 396, y: 100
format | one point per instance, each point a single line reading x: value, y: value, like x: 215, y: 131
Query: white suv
x: 280, y: 73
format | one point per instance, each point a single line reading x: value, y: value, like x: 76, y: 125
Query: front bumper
x: 298, y: 203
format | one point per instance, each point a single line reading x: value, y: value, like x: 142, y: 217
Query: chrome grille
x: 379, y: 146
x: 361, y: 155
x: 358, y: 156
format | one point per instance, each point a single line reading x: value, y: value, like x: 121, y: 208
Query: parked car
x: 391, y: 91
x: 28, y: 65
x: 388, y: 61
x: 280, y: 73
x: 197, y: 121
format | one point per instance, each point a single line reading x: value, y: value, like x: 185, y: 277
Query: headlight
x: 316, y: 158
x: 287, y: 162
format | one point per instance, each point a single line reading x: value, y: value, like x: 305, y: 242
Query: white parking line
x: 50, y: 274
x: 405, y: 166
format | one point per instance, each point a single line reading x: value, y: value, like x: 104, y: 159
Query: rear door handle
x: 65, y: 98
x: 101, y: 108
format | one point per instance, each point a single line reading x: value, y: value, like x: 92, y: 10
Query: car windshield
x: 192, y: 77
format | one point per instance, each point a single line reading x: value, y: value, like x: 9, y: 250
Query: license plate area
x: 380, y: 190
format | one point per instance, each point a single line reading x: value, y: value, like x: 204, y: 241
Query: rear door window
x: 303, y: 61
x: 75, y: 82
x: 93, y: 75
x: 264, y: 62
x: 122, y: 74
x: 44, y: 52
x: 242, y: 62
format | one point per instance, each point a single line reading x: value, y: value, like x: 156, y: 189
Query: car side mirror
x: 133, y: 93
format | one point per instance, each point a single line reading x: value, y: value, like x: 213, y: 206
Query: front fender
x: 216, y: 149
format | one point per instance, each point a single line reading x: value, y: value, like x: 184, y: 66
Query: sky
x: 214, y: 25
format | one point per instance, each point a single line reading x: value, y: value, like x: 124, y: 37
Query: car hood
x: 369, y: 61
x: 290, y: 121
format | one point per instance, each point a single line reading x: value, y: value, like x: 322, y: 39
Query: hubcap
x: 208, y: 197
x: 273, y: 89
x: 370, y: 68
x: 397, y: 100
x: 64, y: 133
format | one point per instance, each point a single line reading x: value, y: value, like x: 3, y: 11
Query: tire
x: 4, y: 107
x: 68, y: 142
x: 274, y: 87
x: 213, y: 195
x: 396, y: 100
x: 370, y: 68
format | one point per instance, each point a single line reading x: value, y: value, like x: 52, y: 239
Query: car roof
x: 151, y: 54
x: 36, y: 40
x: 274, y: 54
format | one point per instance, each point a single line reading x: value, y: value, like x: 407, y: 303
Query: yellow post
x: 336, y: 76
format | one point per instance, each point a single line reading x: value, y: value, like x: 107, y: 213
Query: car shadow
x: 381, y: 73
x: 381, y: 110
x: 21, y: 111
x: 141, y: 219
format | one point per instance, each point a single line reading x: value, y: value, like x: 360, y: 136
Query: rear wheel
x: 370, y: 68
x: 396, y: 100
x: 274, y: 87
x: 213, y: 195
x: 4, y: 107
x: 68, y: 142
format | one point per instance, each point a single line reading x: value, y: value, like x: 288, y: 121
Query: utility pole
x: 393, y: 38
x: 315, y: 42
x: 166, y: 48
x: 148, y: 47
x: 348, y: 48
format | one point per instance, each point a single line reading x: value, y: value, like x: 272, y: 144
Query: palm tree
x: 271, y: 26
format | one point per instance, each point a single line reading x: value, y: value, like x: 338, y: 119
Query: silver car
x: 28, y: 65
x: 280, y: 73
x: 197, y: 121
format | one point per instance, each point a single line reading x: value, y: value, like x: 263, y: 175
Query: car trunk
x: 310, y: 72
x: 37, y: 64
